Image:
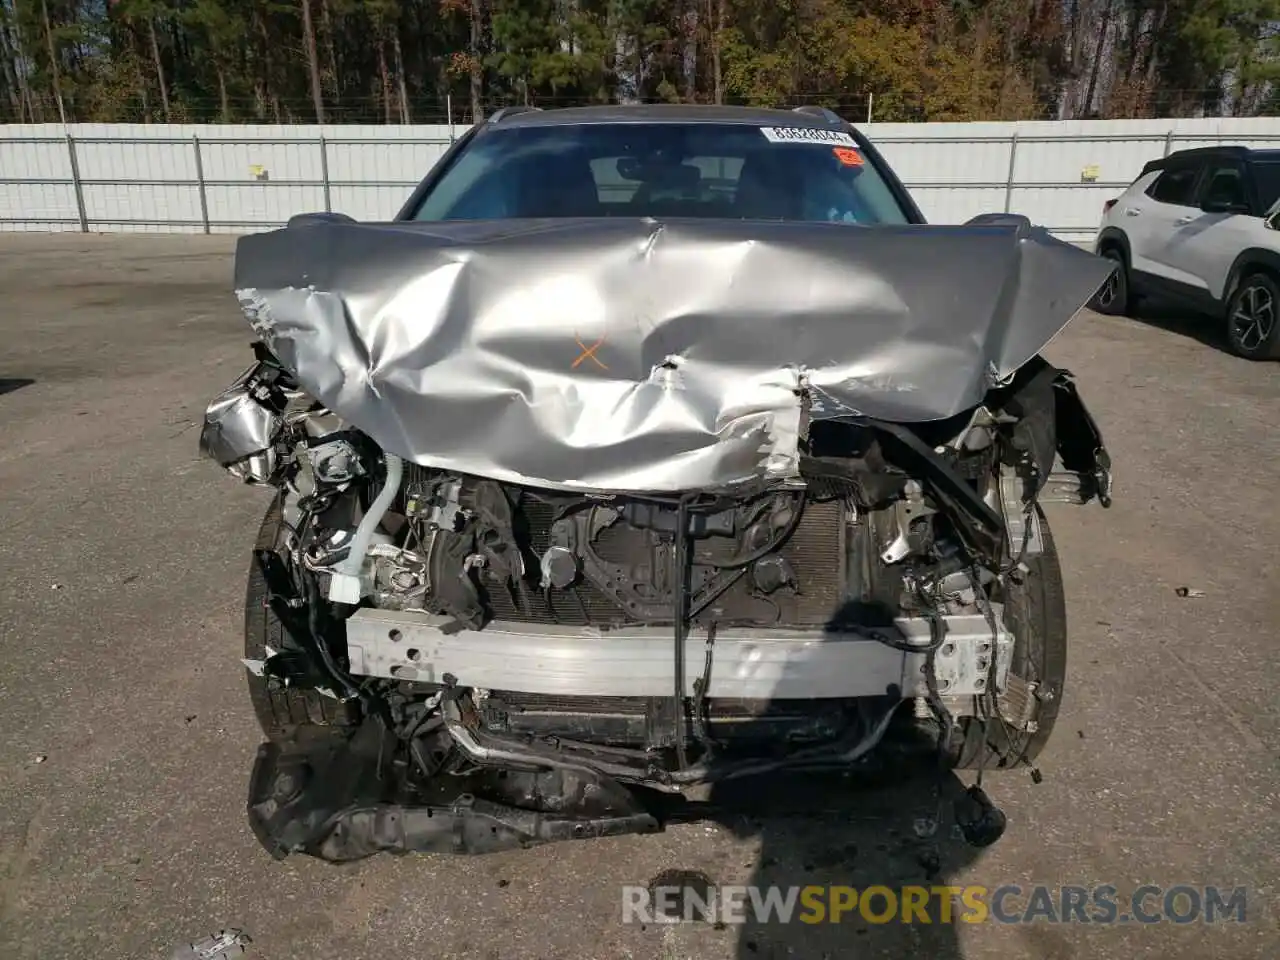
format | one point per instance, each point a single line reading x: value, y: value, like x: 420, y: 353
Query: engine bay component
x: 347, y: 583
x: 772, y: 573
x: 559, y: 568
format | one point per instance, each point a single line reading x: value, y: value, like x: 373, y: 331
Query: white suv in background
x: 1202, y: 227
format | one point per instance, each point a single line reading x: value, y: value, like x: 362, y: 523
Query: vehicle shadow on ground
x: 10, y: 384
x: 856, y: 832
x: 1182, y: 320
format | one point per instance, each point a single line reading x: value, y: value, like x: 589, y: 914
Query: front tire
x: 1253, y: 329
x: 285, y: 713
x: 1035, y: 612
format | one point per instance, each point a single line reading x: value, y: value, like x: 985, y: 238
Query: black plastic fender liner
x: 304, y: 661
x: 1079, y: 439
x: 339, y: 799
x: 1055, y: 424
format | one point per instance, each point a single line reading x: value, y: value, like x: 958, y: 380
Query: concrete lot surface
x: 128, y: 735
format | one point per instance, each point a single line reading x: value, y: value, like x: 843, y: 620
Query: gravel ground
x: 129, y: 737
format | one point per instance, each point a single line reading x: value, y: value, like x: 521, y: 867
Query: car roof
x: 1198, y: 153
x: 810, y: 117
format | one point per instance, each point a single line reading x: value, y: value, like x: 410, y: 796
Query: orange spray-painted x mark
x: 589, y: 353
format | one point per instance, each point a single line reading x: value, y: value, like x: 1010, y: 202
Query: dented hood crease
x: 645, y: 356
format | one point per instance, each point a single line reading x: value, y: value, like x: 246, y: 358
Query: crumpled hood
x: 648, y: 356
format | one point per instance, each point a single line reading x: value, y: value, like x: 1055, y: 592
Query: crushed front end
x: 492, y: 659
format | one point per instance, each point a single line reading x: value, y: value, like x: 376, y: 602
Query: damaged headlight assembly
x: 505, y: 595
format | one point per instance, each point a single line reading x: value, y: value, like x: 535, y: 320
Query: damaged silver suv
x: 647, y: 447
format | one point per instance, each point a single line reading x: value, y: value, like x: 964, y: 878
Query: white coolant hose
x: 344, y: 584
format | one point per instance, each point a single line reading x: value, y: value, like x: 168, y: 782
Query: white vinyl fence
x: 186, y: 178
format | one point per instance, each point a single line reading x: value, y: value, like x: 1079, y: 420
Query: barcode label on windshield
x: 830, y: 138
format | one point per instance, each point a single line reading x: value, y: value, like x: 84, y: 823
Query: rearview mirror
x: 630, y: 168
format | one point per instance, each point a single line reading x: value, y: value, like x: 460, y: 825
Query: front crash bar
x: 778, y: 664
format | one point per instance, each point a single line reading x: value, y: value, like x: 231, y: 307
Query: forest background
x: 422, y: 61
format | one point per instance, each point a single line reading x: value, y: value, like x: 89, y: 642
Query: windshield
x: 728, y: 171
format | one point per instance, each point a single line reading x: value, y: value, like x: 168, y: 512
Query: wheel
x: 1035, y: 611
x: 282, y: 713
x: 1252, y: 330
x: 1114, y: 299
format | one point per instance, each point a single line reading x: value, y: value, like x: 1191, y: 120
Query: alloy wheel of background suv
x: 1252, y: 329
x: 1114, y: 299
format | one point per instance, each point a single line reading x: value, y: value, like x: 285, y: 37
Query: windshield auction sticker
x: 848, y: 156
x: 831, y: 138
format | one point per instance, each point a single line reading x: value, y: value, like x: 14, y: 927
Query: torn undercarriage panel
x: 341, y: 799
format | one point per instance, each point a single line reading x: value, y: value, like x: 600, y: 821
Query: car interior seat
x: 1226, y: 187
